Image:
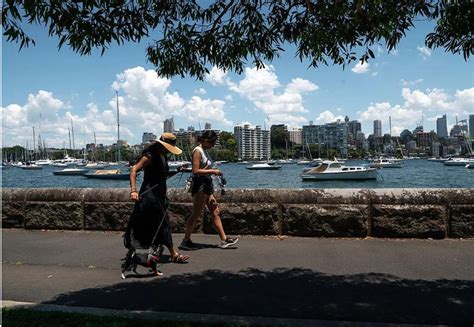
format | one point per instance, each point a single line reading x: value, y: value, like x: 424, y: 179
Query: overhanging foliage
x: 191, y: 36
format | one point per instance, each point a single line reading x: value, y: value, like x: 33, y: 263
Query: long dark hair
x: 208, y: 135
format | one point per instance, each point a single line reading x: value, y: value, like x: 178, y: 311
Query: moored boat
x: 386, y: 163
x: 31, y: 167
x: 264, y: 166
x: 70, y: 171
x: 458, y: 162
x: 332, y: 170
x: 108, y: 174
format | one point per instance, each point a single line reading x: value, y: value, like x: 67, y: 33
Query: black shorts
x: 202, y: 184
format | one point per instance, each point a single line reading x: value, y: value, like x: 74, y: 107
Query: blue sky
x: 407, y: 84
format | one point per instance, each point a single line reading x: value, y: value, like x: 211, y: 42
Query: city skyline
x: 63, y: 86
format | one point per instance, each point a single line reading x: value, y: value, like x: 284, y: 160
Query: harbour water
x: 414, y: 174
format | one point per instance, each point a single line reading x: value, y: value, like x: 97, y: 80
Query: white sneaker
x: 228, y: 242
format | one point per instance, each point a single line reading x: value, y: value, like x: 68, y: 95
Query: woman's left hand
x: 134, y: 196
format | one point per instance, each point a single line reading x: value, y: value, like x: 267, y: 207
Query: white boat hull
x: 343, y: 175
x: 457, y: 162
x: 70, y: 172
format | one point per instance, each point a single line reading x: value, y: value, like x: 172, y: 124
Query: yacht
x: 44, y: 162
x: 108, y: 174
x: 264, y: 166
x: 70, y: 171
x: 31, y: 167
x: 386, y: 163
x: 458, y: 162
x: 331, y: 170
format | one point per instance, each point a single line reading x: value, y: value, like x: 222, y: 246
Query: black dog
x: 147, y: 260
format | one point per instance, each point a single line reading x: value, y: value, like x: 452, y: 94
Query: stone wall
x: 401, y: 213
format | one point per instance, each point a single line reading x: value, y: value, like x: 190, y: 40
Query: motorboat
x: 71, y: 171
x: 108, y: 174
x: 470, y: 165
x: 44, y: 162
x: 59, y: 164
x: 437, y: 159
x: 95, y: 165
x: 458, y: 162
x: 331, y: 170
x: 264, y: 166
x: 386, y: 163
x: 176, y: 164
x: 31, y: 167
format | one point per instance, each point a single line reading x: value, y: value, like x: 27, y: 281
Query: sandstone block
x: 325, y: 220
x: 420, y: 221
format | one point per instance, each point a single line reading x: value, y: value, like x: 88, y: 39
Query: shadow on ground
x: 290, y: 293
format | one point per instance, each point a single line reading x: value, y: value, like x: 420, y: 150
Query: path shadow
x: 290, y: 293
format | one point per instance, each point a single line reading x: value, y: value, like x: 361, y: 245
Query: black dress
x: 150, y: 210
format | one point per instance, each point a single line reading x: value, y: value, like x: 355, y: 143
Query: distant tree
x: 279, y: 137
x: 406, y: 136
x: 192, y: 35
x: 227, y: 141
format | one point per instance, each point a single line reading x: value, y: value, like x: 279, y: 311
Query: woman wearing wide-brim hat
x: 149, y: 212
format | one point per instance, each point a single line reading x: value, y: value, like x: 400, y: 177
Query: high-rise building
x: 377, y: 128
x: 455, y: 131
x: 148, y: 137
x: 207, y: 126
x: 354, y: 127
x: 168, y: 126
x: 252, y: 143
x: 296, y: 136
x: 332, y: 135
x: 471, y: 125
x: 185, y: 140
x: 442, y: 127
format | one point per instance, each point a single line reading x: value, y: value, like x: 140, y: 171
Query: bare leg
x: 199, y: 201
x: 216, y: 216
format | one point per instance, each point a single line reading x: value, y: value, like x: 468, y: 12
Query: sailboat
x: 112, y: 173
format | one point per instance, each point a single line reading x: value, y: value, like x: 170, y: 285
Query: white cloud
x: 200, y: 91
x: 424, y: 52
x: 429, y: 104
x: 361, y: 68
x: 144, y: 101
x: 217, y: 76
x: 327, y: 117
x: 262, y: 87
x: 411, y: 83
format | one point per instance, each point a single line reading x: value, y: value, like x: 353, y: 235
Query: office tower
x: 148, y: 137
x: 168, y: 126
x: 252, y: 143
x: 377, y: 128
x: 207, y: 126
x: 442, y: 127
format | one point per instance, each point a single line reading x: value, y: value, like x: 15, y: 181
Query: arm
x: 142, y: 163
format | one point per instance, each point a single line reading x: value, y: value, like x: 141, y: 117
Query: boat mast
x: 70, y: 144
x: 34, y: 146
x: 73, y: 144
x: 118, y: 129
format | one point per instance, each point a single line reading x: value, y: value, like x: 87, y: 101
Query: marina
x: 419, y: 173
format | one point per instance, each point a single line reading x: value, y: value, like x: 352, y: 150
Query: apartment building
x: 252, y: 143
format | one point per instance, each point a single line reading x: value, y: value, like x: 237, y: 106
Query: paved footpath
x: 306, y: 279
